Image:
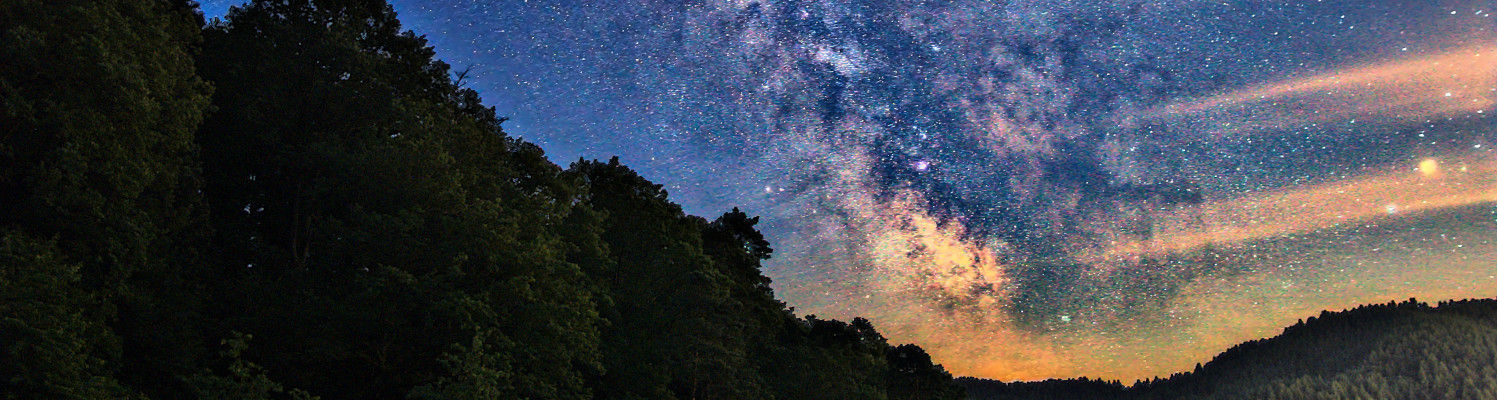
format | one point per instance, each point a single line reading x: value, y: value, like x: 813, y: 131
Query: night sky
x: 1035, y: 188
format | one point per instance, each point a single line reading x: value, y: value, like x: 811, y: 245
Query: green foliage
x: 99, y: 101
x: 829, y: 359
x: 670, y: 331
x: 244, y: 380
x: 50, y: 345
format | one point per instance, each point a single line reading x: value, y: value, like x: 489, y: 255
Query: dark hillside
x: 1406, y: 350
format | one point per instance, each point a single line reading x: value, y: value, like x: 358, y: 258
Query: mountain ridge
x: 1408, y: 350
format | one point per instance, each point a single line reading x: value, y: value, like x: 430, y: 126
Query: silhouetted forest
x: 1405, y: 350
x: 299, y: 202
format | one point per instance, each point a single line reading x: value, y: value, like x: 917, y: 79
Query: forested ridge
x: 298, y: 201
x: 1397, y: 350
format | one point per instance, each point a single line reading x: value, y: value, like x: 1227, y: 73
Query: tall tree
x: 98, y: 104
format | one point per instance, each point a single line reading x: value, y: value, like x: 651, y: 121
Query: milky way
x: 1035, y: 188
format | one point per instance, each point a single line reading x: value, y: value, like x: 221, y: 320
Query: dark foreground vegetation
x: 1403, y: 350
x: 299, y: 202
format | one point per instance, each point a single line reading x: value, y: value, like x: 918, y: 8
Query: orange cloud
x: 1459, y: 81
x: 1429, y: 185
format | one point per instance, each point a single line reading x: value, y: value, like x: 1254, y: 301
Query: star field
x: 1035, y: 188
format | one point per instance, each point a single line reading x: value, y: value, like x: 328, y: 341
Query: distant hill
x: 1406, y: 350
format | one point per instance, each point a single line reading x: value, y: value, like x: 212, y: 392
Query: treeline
x: 299, y: 202
x: 1406, y: 350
